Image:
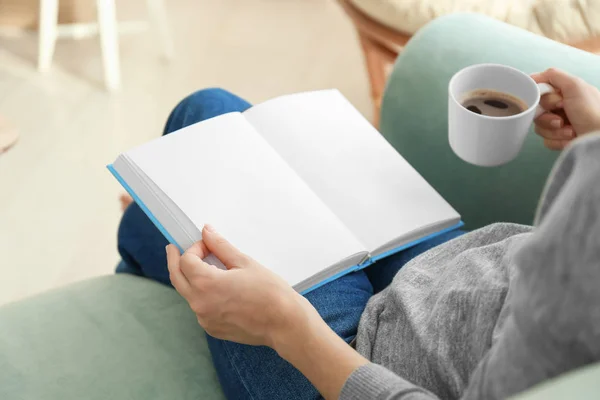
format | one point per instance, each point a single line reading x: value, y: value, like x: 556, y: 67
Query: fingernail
x: 210, y: 228
x: 167, y: 249
x: 556, y: 123
x: 568, y: 132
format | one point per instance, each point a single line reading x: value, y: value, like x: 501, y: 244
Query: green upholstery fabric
x: 415, y: 107
x: 583, y: 383
x: 114, y: 337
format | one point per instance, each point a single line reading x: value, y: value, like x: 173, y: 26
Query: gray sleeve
x: 554, y: 316
x: 373, y: 381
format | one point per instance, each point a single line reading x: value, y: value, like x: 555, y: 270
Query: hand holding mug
x: 490, y: 110
x: 572, y: 110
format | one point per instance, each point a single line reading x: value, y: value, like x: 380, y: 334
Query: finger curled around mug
x: 551, y: 101
x: 550, y: 121
x: 556, y: 144
x: 565, y: 133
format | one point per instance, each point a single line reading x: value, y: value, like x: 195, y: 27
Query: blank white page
x: 350, y: 166
x: 222, y: 172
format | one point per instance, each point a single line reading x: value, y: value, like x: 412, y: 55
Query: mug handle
x: 544, y: 89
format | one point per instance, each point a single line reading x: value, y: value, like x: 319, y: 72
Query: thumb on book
x: 221, y: 248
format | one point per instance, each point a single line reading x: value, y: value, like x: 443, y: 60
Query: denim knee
x: 204, y: 104
x: 204, y: 97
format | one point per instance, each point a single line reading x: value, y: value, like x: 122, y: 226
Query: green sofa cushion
x: 414, y: 115
x: 113, y: 337
x: 583, y: 383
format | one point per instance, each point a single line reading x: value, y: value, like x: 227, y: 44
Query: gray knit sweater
x: 493, y: 312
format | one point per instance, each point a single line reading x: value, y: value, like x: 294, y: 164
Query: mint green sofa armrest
x: 114, y: 337
x: 582, y: 383
x: 415, y: 110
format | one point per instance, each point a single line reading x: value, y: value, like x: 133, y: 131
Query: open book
x: 301, y: 183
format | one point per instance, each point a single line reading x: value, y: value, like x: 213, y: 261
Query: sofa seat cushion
x: 568, y: 21
x: 113, y: 337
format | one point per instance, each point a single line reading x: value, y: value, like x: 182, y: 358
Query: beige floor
x: 58, y: 204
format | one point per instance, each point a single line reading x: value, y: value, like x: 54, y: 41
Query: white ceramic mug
x: 490, y: 141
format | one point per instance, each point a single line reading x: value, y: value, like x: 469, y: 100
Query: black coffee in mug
x: 493, y: 103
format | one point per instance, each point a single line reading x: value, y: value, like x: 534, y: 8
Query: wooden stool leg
x: 376, y: 70
x: 109, y: 41
x: 379, y: 44
x: 47, y: 33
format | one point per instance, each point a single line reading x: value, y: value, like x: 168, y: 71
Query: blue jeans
x: 256, y: 372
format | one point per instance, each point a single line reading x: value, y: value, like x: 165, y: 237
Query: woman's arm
x: 319, y: 353
x: 249, y: 304
x: 554, y: 322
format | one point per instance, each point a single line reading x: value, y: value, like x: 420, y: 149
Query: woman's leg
x: 244, y: 371
x: 383, y: 271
